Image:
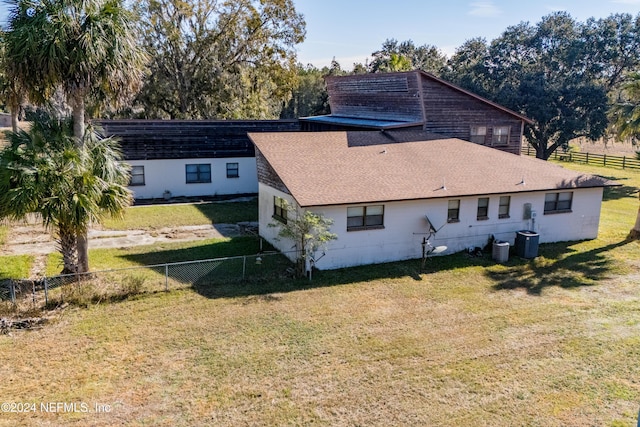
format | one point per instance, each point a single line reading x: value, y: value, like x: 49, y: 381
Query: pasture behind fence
x: 119, y: 283
x: 623, y: 162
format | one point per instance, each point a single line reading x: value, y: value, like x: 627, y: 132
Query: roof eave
x: 476, y: 96
x: 448, y: 196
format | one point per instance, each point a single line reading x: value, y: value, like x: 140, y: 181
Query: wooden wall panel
x: 374, y: 96
x: 452, y: 113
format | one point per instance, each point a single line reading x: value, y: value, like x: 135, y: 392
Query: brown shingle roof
x: 332, y: 168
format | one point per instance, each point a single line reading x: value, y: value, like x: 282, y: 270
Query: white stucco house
x: 378, y: 191
x: 175, y: 158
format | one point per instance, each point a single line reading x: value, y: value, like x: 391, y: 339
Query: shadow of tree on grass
x: 573, y: 270
x: 620, y: 192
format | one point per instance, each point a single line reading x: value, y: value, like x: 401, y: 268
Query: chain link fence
x: 111, y: 285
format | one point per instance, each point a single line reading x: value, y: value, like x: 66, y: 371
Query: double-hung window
x: 453, y: 212
x: 500, y: 135
x: 478, y: 134
x: 364, y: 217
x: 198, y: 173
x: 558, y: 202
x: 233, y: 170
x: 136, y: 176
x: 503, y: 209
x: 483, y: 208
x: 280, y: 209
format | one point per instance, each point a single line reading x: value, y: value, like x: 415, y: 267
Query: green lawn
x: 173, y: 215
x: 105, y: 259
x: 15, y: 266
x: 553, y: 341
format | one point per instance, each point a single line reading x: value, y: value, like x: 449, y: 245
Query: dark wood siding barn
x: 416, y: 99
x: 456, y: 113
x: 393, y: 97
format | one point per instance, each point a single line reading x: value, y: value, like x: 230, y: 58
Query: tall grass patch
x: 15, y: 266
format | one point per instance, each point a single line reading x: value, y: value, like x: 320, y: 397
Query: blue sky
x: 350, y: 30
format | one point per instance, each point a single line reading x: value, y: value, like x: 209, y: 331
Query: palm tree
x: 44, y: 171
x: 87, y: 48
x: 625, y: 116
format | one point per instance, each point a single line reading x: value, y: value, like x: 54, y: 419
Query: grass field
x: 174, y: 215
x: 15, y: 266
x: 553, y: 341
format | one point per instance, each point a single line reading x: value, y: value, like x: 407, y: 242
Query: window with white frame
x: 483, y: 208
x: 453, y: 211
x: 500, y: 135
x: 558, y: 202
x: 478, y: 134
x: 505, y: 204
x: 365, y: 217
x: 198, y: 173
x: 136, y: 176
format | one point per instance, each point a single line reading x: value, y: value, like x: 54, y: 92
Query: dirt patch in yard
x: 33, y: 239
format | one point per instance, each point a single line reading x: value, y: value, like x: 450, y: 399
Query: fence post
x: 624, y: 159
x: 166, y: 277
x: 46, y: 292
x: 244, y: 266
x: 12, y: 291
x: 604, y: 160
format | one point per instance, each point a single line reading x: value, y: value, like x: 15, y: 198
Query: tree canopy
x: 559, y: 72
x: 86, y: 48
x: 625, y: 116
x: 219, y: 59
x: 309, y: 97
x: 406, y: 56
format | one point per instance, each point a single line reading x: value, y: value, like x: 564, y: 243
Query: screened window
x: 453, y: 213
x: 558, y: 202
x: 233, y: 170
x: 503, y: 210
x: 198, y: 173
x: 136, y: 175
x: 363, y: 217
x: 483, y: 208
x: 500, y: 135
x: 478, y: 134
x: 280, y: 209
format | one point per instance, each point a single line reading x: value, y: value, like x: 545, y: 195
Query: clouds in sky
x: 487, y: 9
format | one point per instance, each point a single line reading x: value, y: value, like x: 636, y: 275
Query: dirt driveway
x: 33, y: 239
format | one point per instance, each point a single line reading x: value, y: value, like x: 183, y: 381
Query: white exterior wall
x: 161, y: 175
x: 265, y: 217
x: 397, y: 241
